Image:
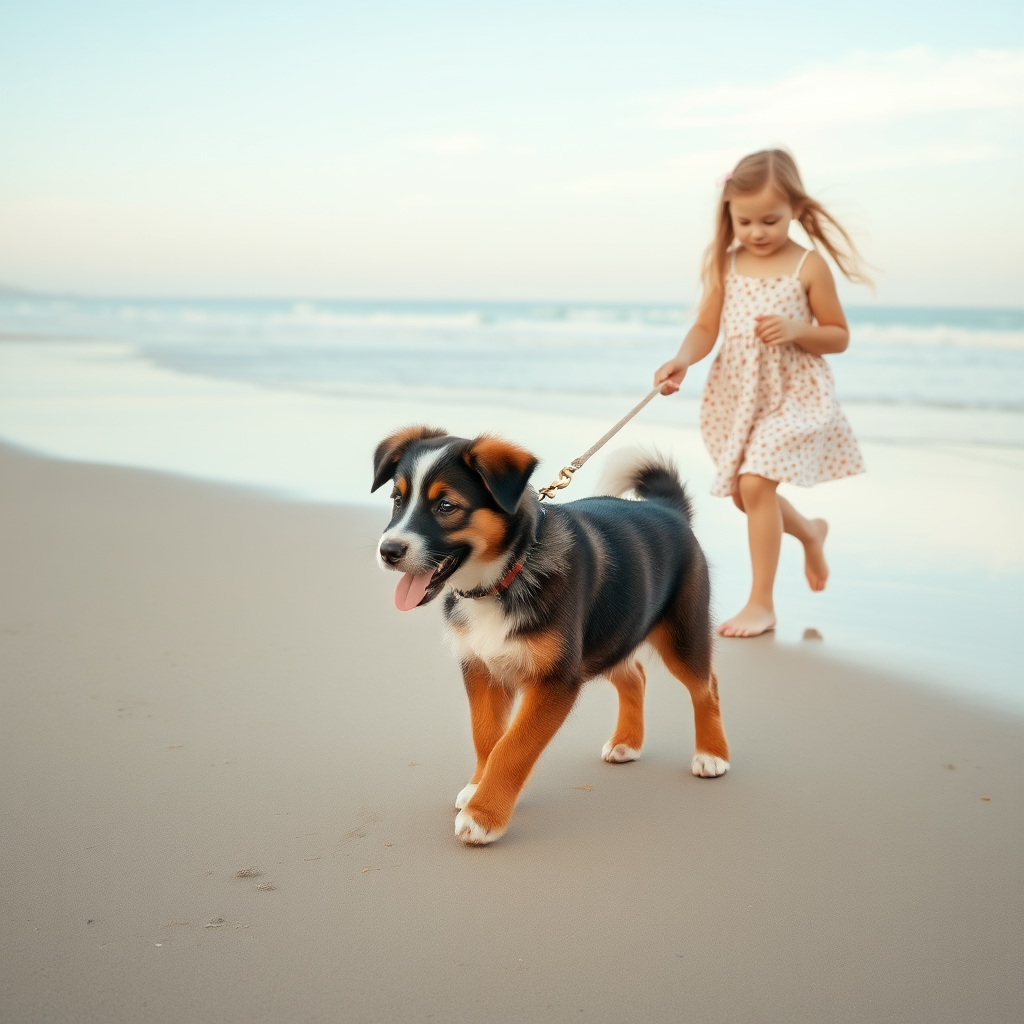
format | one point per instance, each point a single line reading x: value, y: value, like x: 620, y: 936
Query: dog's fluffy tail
x: 648, y: 475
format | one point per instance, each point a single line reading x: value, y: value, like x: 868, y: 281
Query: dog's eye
x: 445, y: 508
x: 398, y: 500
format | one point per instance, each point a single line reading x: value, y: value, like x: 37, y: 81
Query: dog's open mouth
x: 415, y: 589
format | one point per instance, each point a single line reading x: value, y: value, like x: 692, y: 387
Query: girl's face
x: 760, y: 221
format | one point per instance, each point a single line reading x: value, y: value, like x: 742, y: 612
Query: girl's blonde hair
x: 777, y: 168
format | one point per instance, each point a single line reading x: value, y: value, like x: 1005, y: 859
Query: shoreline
x: 199, y: 681
x: 9, y: 293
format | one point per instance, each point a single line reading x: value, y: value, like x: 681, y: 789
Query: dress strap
x: 732, y: 264
x: 796, y: 273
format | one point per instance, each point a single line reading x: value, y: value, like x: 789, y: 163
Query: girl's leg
x: 764, y: 530
x: 810, y: 532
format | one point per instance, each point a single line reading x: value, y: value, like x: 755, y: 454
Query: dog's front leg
x: 545, y: 707
x: 489, y: 707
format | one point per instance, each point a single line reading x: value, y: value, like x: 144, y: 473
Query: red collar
x: 509, y: 576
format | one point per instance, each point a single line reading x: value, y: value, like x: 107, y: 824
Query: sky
x: 478, y: 150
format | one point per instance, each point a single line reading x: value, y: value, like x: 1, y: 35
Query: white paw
x: 618, y: 754
x: 473, y: 834
x: 465, y: 795
x: 708, y: 766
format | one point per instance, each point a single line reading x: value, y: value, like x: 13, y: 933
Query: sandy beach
x: 229, y: 766
x: 241, y: 246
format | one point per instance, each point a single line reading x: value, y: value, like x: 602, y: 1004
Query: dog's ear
x: 505, y: 468
x: 390, y: 451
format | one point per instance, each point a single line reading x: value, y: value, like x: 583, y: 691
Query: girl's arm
x: 699, y: 341
x: 830, y: 334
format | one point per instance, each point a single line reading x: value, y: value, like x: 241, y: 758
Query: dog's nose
x: 393, y: 551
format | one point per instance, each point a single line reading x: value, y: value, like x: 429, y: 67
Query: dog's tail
x: 648, y: 475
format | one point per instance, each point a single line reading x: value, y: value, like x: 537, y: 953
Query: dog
x: 539, y: 600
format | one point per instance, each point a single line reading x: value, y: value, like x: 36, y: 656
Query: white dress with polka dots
x: 771, y: 410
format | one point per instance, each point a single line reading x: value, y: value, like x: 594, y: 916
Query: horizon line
x: 14, y: 292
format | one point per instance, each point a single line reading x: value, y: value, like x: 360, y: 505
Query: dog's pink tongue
x: 410, y: 590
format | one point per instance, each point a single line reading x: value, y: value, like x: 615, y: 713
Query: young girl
x: 769, y: 413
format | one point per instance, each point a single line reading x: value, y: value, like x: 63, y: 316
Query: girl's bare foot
x: 815, y: 565
x: 753, y: 620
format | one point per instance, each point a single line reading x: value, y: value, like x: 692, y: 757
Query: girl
x: 769, y: 413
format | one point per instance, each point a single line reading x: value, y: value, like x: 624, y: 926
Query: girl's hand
x: 671, y: 374
x: 776, y: 330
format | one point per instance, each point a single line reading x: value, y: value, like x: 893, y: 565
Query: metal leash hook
x: 566, y: 472
x: 564, y: 479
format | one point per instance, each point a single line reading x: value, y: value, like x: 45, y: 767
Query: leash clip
x: 563, y: 481
x: 566, y: 472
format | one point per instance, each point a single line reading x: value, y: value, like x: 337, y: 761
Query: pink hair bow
x: 725, y: 179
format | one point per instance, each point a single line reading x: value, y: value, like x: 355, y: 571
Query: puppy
x: 540, y: 599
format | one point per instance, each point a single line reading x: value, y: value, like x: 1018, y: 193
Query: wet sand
x: 228, y: 771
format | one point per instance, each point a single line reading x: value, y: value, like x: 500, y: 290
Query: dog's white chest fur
x: 480, y: 630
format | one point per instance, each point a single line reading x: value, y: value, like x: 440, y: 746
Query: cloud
x: 847, y: 117
x: 705, y: 168
x: 857, y: 88
x: 893, y: 156
x: 669, y: 175
x: 449, y: 145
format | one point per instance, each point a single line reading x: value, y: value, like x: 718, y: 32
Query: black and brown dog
x: 540, y: 600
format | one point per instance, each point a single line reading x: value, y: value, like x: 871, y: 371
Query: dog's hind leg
x: 630, y: 680
x: 489, y: 710
x: 685, y: 658
x: 545, y: 707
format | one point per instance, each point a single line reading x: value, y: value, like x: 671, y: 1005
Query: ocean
x: 952, y: 359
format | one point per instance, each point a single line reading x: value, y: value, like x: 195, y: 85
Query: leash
x: 566, y: 472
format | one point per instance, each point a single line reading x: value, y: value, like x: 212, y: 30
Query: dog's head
x: 455, y: 501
